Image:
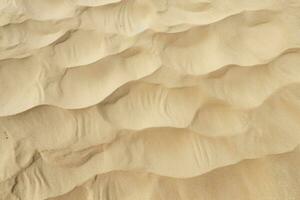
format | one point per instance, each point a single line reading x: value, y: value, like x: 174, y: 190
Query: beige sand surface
x: 149, y: 99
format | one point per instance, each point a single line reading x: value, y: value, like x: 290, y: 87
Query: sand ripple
x: 149, y: 100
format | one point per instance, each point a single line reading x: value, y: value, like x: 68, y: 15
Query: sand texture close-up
x: 149, y: 99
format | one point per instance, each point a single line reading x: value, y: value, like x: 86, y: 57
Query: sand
x: 149, y: 99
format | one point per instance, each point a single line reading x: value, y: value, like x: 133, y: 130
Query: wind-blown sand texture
x: 149, y: 99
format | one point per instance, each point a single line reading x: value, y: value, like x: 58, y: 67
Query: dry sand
x: 149, y: 99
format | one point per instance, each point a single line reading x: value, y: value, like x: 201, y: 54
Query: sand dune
x: 149, y: 100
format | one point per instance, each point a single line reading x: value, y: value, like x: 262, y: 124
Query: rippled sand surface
x: 149, y: 99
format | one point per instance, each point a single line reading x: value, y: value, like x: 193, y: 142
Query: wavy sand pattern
x: 149, y: 99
